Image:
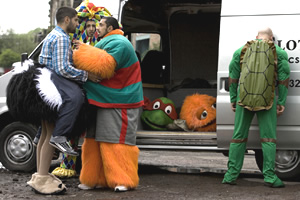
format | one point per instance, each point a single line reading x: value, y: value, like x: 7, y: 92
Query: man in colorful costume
x: 109, y: 153
x: 88, y: 12
x: 89, y: 15
x: 267, y: 118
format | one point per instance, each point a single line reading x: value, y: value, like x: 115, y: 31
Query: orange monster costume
x: 110, y: 156
x: 199, y: 112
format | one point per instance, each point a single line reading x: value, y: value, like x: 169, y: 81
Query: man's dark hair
x: 110, y: 21
x: 63, y: 12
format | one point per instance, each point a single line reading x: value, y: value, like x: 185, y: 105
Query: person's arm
x: 283, y: 73
x: 94, y: 60
x: 234, y: 75
x: 62, y: 63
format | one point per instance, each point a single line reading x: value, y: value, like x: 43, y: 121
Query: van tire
x: 287, y: 164
x: 17, y: 152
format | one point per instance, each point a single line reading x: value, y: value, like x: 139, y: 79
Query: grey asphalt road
x: 194, y: 162
x: 168, y: 175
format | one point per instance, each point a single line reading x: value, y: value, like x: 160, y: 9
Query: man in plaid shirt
x: 56, y: 55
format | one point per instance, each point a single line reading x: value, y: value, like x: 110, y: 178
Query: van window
x: 144, y: 42
x: 152, y: 59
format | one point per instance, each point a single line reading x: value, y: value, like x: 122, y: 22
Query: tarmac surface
x: 168, y: 175
x: 194, y: 162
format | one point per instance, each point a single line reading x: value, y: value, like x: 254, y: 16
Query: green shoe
x: 277, y: 184
x: 229, y: 183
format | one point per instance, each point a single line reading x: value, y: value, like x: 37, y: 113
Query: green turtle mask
x: 158, y: 113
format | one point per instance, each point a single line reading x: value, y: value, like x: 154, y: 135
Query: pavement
x: 194, y: 162
x: 190, y: 161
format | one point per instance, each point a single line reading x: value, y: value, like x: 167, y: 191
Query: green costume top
x: 283, y: 73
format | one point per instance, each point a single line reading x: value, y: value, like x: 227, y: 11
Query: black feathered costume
x: 32, y: 97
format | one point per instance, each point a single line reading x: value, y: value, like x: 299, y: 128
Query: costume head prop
x: 199, y: 112
x: 88, y: 11
x: 159, y: 113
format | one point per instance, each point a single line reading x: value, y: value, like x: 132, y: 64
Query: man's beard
x: 71, y: 28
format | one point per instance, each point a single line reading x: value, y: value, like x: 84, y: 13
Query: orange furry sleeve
x: 94, y: 60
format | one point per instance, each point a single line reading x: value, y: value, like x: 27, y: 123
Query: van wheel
x: 287, y: 164
x: 16, y: 150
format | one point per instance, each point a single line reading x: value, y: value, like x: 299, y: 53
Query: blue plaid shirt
x: 57, y: 54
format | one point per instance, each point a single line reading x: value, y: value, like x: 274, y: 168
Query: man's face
x: 102, y: 28
x: 73, y: 24
x: 90, y: 28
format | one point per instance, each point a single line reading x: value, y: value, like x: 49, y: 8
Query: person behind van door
x: 267, y: 118
x: 56, y: 55
x: 89, y: 15
x: 109, y: 151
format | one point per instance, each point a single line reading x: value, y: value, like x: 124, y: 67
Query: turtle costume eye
x: 168, y: 110
x: 156, y: 105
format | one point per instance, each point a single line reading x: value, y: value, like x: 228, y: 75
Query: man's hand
x: 280, y: 109
x: 94, y: 78
x: 233, y: 106
x: 77, y: 44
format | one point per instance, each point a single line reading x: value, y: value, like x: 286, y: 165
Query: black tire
x: 17, y: 152
x: 287, y: 164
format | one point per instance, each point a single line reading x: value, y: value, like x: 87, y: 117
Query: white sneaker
x: 86, y: 187
x: 121, y: 188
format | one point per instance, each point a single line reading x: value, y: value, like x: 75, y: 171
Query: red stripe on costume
x: 124, y: 126
x: 116, y: 105
x: 124, y: 77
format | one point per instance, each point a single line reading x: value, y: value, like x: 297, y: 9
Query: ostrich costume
x: 32, y: 97
x: 87, y: 11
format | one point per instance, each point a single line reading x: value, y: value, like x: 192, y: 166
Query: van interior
x: 177, y: 42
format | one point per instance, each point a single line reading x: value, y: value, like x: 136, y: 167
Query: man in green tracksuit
x: 267, y: 119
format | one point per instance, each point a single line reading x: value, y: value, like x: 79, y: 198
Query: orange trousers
x: 108, y: 164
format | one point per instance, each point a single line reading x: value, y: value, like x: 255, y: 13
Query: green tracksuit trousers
x: 267, y: 120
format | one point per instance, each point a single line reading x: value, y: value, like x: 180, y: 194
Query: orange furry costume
x: 108, y: 163
x: 199, y: 112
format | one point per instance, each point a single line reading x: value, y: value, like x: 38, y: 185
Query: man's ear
x: 67, y: 19
x: 110, y: 28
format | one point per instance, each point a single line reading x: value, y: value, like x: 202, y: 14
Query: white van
x: 194, y: 40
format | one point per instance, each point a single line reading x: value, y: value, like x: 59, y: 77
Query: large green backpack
x: 258, y: 75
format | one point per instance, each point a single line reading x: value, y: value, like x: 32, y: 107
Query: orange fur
x: 108, y: 164
x: 94, y: 60
x: 192, y: 109
x: 92, y: 172
x: 120, y: 164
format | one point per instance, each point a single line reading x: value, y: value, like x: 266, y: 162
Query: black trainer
x: 35, y: 141
x: 63, y: 145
